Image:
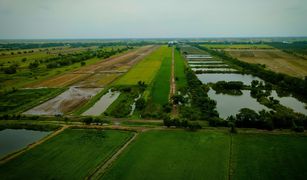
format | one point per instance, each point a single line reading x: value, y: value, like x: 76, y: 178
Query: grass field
x: 145, y: 70
x: 161, y: 86
x: 237, y: 46
x: 274, y: 59
x: 174, y: 155
x: 180, y: 66
x: 260, y: 156
x: 22, y: 99
x: 72, y: 154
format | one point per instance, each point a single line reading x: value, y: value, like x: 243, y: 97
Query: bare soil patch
x: 274, y: 60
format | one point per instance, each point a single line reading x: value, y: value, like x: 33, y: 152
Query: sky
x: 47, y: 19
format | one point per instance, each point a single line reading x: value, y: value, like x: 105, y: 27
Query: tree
x: 12, y: 69
x: 88, y: 120
x: 33, y: 65
x: 167, y: 121
x: 140, y: 104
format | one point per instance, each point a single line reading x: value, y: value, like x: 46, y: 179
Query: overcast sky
x: 151, y: 18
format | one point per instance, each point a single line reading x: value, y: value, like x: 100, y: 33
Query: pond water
x: 133, y: 106
x: 228, y: 105
x: 102, y: 104
x: 214, y: 69
x: 215, y: 77
x: 205, y: 62
x: 208, y: 65
x: 290, y: 102
x: 12, y: 140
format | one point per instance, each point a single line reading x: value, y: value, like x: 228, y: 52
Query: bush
x: 193, y: 126
x: 10, y: 70
x: 87, y: 120
x: 298, y: 129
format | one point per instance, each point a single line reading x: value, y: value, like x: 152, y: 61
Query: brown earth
x: 274, y: 60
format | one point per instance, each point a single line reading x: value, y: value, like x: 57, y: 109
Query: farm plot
x: 98, y: 80
x: 113, y: 64
x: 95, y: 78
x: 161, y: 86
x: 174, y: 155
x: 145, y: 70
x: 73, y: 154
x: 274, y: 60
x: 263, y: 156
x: 65, y: 102
x: 23, y: 99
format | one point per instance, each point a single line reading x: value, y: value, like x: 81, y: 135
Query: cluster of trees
x: 33, y: 45
x: 232, y: 87
x: 285, y: 82
x: 258, y: 89
x: 94, y: 120
x: 12, y: 69
x: 12, y: 46
x: 106, y: 54
x: 181, y: 123
x: 248, y: 118
x: 201, y: 106
x: 292, y: 48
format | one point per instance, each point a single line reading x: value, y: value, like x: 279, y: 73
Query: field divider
x: 33, y: 145
x: 101, y: 169
x: 230, y: 168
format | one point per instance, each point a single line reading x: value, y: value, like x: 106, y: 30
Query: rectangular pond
x: 12, y: 140
x: 208, y: 65
x: 215, y: 77
x: 102, y: 104
x: 205, y: 62
x: 215, y: 69
x: 228, y: 105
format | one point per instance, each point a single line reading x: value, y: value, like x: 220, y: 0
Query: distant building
x: 172, y: 43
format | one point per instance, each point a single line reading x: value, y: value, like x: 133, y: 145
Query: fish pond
x: 12, y: 140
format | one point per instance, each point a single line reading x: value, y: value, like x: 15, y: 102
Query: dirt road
x: 104, y: 166
x: 173, y: 83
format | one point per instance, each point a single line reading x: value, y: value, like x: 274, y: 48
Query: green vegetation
x: 145, y: 70
x: 19, y: 70
x: 232, y: 87
x: 161, y: 85
x: 174, y: 155
x: 180, y: 67
x: 20, y: 100
x: 237, y: 46
x: 295, y: 48
x: 73, y: 154
x: 122, y: 106
x: 264, y: 156
x: 201, y: 106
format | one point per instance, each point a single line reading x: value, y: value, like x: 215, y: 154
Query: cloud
x: 147, y: 18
